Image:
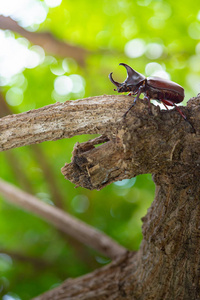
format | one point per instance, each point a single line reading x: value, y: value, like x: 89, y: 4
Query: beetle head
x: 132, y: 81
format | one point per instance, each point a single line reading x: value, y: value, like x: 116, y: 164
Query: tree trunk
x: 167, y: 265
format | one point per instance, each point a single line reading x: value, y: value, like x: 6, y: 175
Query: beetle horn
x: 133, y: 77
x: 113, y: 81
x: 129, y: 70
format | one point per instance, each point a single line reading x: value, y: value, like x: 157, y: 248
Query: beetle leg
x: 136, y: 98
x: 184, y: 117
x: 124, y: 116
x: 165, y: 105
x: 170, y: 103
x: 180, y: 112
x: 147, y: 97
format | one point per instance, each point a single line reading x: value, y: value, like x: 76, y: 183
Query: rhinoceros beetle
x: 165, y: 91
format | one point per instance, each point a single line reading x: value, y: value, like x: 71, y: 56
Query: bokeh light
x: 193, y: 81
x: 11, y: 296
x: 154, y: 50
x: 194, y: 30
x: 80, y: 203
x: 15, y: 56
x: 152, y: 68
x: 63, y: 85
x: 53, y: 3
x: 5, y: 262
x: 14, y: 96
x: 20, y: 11
x: 57, y: 67
x: 35, y: 56
x: 78, y: 83
x: 135, y: 48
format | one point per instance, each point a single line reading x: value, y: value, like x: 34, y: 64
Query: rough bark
x: 62, y: 120
x: 167, y: 266
x: 94, y: 115
x: 137, y: 145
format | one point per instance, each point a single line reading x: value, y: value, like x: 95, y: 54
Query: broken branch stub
x: 139, y: 144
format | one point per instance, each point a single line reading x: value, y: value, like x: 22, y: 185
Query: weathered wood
x: 62, y: 120
x: 139, y: 144
x: 167, y: 266
x: 94, y: 115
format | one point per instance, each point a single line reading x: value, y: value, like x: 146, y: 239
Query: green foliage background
x: 35, y: 257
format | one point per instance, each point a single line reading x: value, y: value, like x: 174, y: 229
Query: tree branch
x: 62, y: 120
x: 38, y: 263
x: 106, y: 283
x: 101, y: 114
x: 69, y: 225
x: 140, y: 144
x: 15, y: 165
x: 47, y: 41
x: 91, y: 167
